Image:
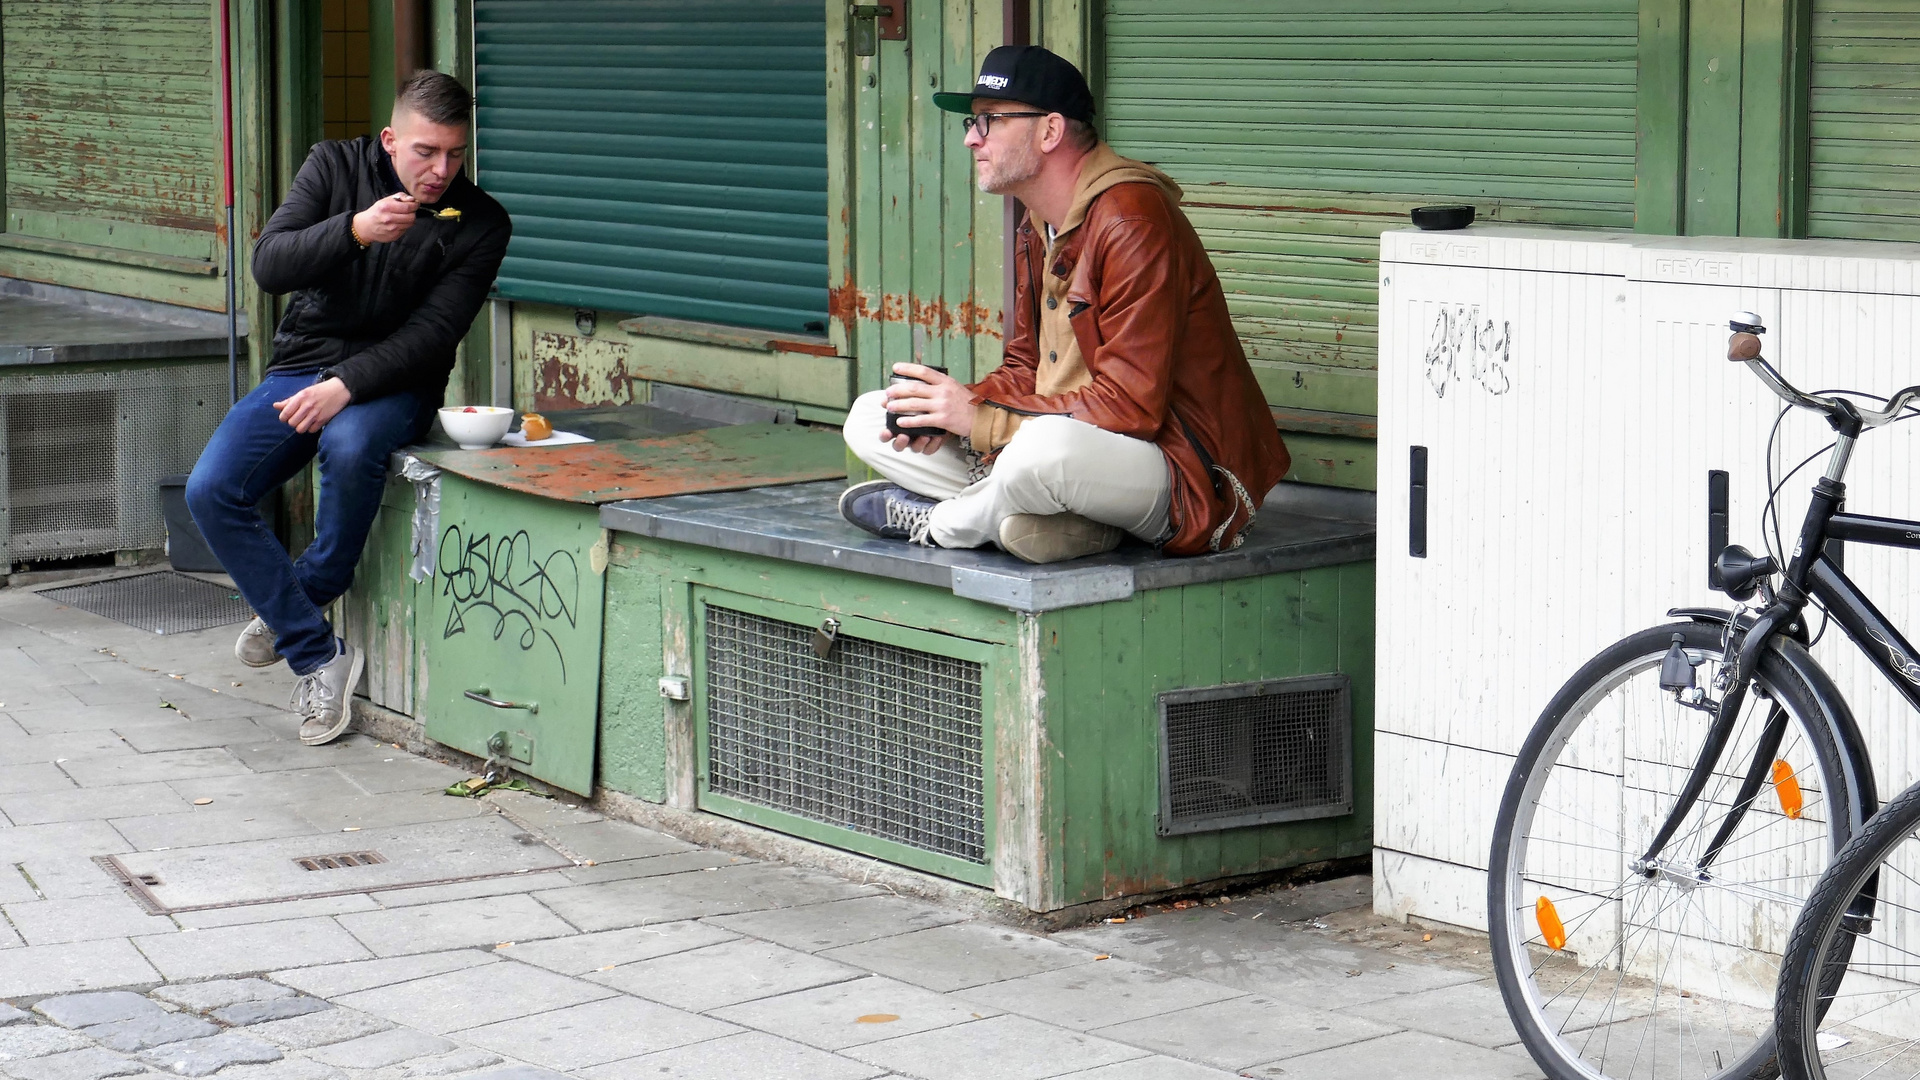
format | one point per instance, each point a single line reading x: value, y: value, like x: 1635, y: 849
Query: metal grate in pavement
x: 165, y: 602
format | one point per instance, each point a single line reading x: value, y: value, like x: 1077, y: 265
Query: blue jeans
x: 254, y: 452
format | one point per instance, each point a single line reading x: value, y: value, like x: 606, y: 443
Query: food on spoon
x: 534, y: 427
x: 451, y: 213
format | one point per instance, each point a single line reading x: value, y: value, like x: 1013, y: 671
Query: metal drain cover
x: 165, y: 602
x: 269, y: 871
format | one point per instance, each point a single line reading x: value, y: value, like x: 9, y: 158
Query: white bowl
x: 478, y: 429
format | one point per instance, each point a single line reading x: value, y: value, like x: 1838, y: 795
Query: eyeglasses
x: 983, y: 122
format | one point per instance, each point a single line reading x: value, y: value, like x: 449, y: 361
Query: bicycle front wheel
x: 1614, y: 966
x: 1858, y: 1013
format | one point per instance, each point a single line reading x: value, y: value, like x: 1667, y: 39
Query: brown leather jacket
x: 1151, y: 323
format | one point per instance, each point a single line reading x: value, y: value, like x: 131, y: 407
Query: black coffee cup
x: 893, y: 418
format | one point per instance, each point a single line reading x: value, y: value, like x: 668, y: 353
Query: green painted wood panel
x: 1300, y: 132
x: 110, y: 114
x: 1103, y: 668
x: 658, y: 157
x: 381, y: 613
x: 519, y: 591
x: 918, y: 260
x: 1864, y: 120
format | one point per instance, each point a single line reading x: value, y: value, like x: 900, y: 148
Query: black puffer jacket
x: 386, y: 318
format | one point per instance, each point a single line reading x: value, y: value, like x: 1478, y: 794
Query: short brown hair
x: 435, y: 97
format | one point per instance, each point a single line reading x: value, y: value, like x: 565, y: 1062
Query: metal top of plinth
x: 1299, y: 527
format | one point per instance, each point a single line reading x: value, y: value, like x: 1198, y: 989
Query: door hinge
x: 874, y: 23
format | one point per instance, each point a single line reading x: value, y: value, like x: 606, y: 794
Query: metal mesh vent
x: 876, y: 738
x: 341, y: 861
x: 86, y: 451
x: 1254, y: 753
x: 165, y: 602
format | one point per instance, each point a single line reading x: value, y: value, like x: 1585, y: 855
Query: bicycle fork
x: 1676, y: 675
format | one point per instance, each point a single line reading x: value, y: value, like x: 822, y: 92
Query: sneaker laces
x: 912, y: 516
x: 303, y: 690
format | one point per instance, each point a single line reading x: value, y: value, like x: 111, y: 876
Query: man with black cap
x: 1124, y: 405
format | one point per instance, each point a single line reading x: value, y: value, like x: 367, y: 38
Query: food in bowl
x: 475, y: 427
x: 535, y: 427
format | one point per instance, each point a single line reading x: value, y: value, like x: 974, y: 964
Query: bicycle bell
x: 1746, y: 322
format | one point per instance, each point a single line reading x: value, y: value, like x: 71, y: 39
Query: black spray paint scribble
x: 503, y: 579
x: 1465, y: 347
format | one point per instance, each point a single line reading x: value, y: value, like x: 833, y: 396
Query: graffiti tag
x: 1464, y: 347
x: 503, y: 588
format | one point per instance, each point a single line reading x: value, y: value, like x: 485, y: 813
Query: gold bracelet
x: 355, y: 230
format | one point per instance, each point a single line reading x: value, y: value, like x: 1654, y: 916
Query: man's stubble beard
x: 1011, y: 168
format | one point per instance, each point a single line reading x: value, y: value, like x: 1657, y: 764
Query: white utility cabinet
x: 1571, y: 391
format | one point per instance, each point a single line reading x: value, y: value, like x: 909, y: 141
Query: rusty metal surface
x: 719, y: 459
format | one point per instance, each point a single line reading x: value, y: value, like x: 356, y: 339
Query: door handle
x: 874, y: 23
x: 480, y: 696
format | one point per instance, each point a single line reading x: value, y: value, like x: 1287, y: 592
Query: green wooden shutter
x: 111, y: 122
x: 1864, y: 121
x: 1300, y: 131
x: 659, y: 158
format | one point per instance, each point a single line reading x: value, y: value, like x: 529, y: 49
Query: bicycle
x: 1674, y: 808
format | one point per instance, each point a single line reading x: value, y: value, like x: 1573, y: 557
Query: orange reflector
x: 1787, y: 788
x: 1554, y: 934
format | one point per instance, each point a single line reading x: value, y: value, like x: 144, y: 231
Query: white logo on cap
x: 994, y: 82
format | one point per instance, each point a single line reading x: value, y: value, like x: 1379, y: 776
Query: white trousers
x: 1053, y: 465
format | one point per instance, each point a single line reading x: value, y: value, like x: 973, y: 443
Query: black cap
x: 1027, y: 74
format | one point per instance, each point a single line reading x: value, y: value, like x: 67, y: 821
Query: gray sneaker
x: 325, y: 698
x: 255, y: 647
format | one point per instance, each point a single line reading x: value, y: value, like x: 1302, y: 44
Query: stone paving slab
x: 871, y: 1009
x: 997, y: 1048
x: 35, y: 970
x: 454, y: 924
x: 147, y: 1032
x: 239, y: 950
x: 662, y: 959
x: 764, y: 1057
x: 597, y: 1032
x: 962, y: 955
x: 816, y: 927
x: 475, y: 997
x: 605, y: 950
x: 1244, y: 1032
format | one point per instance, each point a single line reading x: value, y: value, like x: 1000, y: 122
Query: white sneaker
x: 324, y: 699
x: 255, y: 647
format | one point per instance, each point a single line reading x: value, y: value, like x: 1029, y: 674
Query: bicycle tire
x: 1628, y: 759
x: 1852, y: 977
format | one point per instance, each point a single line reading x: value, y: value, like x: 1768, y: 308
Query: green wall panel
x: 1864, y: 121
x: 659, y: 158
x: 1300, y: 132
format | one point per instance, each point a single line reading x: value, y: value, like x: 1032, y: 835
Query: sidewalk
x: 584, y: 946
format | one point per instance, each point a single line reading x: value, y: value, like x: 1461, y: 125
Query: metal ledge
x: 1301, y: 526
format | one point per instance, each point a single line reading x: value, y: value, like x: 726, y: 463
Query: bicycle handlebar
x: 1744, y: 347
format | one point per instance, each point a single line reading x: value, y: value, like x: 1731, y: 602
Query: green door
x: 1864, y: 172
x: 1300, y: 131
x: 513, y: 650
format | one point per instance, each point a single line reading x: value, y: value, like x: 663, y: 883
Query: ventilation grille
x: 1255, y: 753
x: 875, y: 738
x: 86, y: 451
x: 163, y: 601
x: 340, y: 861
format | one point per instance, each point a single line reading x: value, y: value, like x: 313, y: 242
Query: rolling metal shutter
x: 1864, y: 121
x: 1301, y: 131
x: 111, y: 123
x: 659, y: 158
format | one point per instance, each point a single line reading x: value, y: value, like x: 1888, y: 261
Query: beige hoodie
x: 1061, y: 368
